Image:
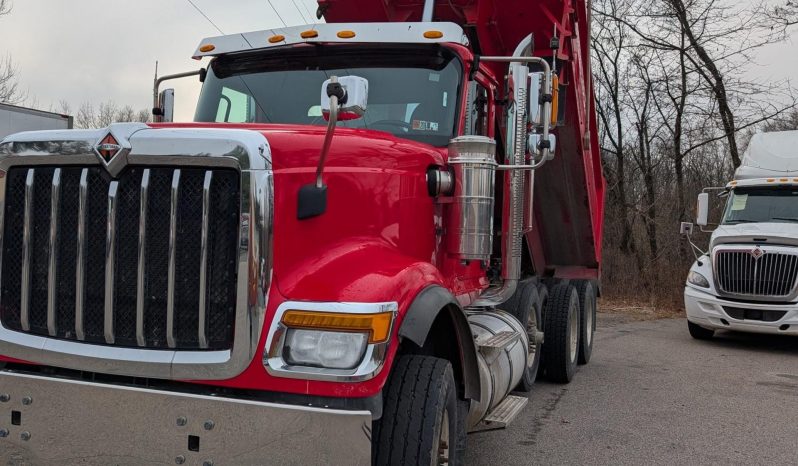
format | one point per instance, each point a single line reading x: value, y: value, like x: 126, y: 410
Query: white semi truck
x: 748, y: 279
x: 14, y: 119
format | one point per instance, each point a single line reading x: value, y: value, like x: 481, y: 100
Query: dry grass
x: 637, y: 311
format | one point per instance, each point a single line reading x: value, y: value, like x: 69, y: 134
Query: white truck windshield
x: 761, y: 204
x: 412, y: 93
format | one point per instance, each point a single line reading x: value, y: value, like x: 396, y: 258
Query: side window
x: 235, y: 107
x: 477, y: 117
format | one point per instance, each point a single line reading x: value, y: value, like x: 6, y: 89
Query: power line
x: 311, y: 15
x: 205, y: 16
x: 277, y: 13
x: 301, y: 15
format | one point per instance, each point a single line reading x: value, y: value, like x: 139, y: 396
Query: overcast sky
x: 95, y: 50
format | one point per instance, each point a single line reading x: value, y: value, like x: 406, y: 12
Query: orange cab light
x: 784, y: 180
x: 276, y: 38
x: 378, y: 325
x: 207, y: 48
x: 433, y: 34
x: 770, y: 180
x: 346, y: 34
x: 309, y: 34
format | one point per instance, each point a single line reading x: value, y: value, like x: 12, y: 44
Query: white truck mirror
x: 702, y: 208
x: 166, y: 105
x: 354, y: 101
x: 686, y: 228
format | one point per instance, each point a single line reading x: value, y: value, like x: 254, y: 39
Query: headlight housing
x: 317, y: 348
x: 333, y: 341
x: 695, y: 278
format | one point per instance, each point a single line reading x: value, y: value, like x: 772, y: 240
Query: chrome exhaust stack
x: 517, y: 182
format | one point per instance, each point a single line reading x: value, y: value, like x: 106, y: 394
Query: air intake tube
x: 513, y: 209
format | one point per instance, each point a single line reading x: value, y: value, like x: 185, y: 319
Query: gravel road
x: 653, y: 395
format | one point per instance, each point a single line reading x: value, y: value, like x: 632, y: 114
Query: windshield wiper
x: 789, y: 219
x: 740, y: 220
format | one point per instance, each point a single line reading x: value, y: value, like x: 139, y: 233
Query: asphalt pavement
x: 653, y: 395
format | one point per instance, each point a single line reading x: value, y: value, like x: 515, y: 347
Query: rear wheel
x: 587, y: 323
x: 562, y: 333
x: 421, y: 420
x: 698, y: 332
x: 525, y: 306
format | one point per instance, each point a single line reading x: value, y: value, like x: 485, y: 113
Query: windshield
x: 413, y: 92
x: 747, y: 205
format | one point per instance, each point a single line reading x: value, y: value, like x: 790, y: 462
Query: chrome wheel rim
x: 589, y: 324
x: 442, y: 457
x: 531, y: 333
x: 573, y: 329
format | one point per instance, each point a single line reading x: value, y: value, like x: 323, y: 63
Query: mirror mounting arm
x: 337, y: 95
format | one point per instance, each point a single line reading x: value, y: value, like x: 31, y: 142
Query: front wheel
x: 421, y: 423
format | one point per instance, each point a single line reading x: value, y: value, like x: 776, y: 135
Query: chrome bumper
x: 47, y: 420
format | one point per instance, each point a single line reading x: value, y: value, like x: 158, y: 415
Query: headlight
x: 695, y: 278
x: 334, y: 350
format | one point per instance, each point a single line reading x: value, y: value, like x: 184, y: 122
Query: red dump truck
x: 374, y: 231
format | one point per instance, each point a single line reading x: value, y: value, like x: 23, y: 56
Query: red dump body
x: 569, y: 191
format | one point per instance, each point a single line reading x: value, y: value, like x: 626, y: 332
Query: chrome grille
x: 145, y: 260
x: 771, y: 275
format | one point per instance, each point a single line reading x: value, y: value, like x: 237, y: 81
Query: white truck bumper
x: 708, y: 311
x: 47, y: 420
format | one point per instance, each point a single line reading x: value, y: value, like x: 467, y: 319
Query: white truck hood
x: 756, y: 233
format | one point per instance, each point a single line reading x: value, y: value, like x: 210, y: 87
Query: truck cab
x: 748, y: 280
x: 357, y: 250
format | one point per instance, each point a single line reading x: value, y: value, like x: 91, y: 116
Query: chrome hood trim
x: 244, y: 150
x: 774, y: 233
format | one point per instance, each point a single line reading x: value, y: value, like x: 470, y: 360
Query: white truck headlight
x: 319, y: 348
x: 695, y: 278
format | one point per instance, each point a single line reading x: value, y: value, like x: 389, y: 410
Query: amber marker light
x: 378, y: 325
x: 207, y: 48
x: 309, y: 34
x: 433, y: 35
x: 346, y: 34
x: 276, y: 38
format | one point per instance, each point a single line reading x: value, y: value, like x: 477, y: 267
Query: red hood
x: 295, y: 146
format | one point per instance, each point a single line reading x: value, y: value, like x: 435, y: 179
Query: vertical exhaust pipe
x: 514, y: 181
x: 429, y: 6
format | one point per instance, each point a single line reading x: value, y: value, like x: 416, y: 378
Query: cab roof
x: 410, y: 33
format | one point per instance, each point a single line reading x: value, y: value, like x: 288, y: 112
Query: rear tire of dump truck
x: 562, y: 333
x: 422, y: 421
x: 587, y: 322
x: 698, y: 332
x: 525, y: 306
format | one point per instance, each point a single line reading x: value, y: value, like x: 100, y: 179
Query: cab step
x: 493, y: 346
x: 503, y: 414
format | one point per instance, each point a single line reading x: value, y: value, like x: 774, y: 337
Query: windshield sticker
x: 435, y: 77
x: 421, y: 125
x: 739, y: 201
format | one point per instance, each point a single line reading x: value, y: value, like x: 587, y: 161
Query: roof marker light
x: 784, y: 180
x: 309, y: 34
x: 433, y: 35
x: 346, y: 34
x: 276, y: 38
x: 771, y: 180
x: 207, y: 48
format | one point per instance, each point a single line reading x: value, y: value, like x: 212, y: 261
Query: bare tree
x: 106, y: 113
x: 10, y: 91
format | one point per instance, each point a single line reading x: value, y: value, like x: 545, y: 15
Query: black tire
x: 587, y: 319
x: 524, y: 305
x: 543, y: 297
x: 419, y: 395
x: 698, y: 332
x: 562, y: 333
